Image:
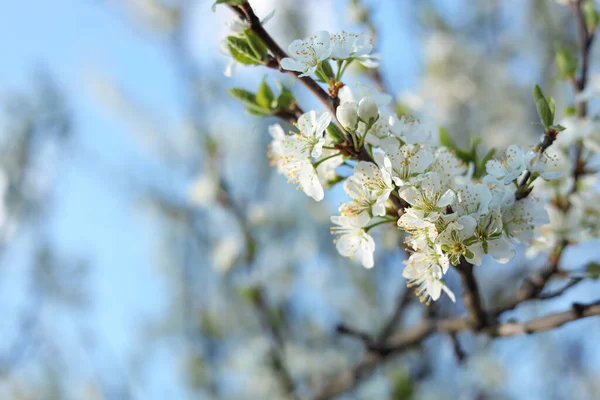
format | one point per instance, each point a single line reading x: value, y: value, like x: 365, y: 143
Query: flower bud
x: 368, y: 111
x: 346, y: 115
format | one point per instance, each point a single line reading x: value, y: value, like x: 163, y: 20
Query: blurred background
x: 148, y: 251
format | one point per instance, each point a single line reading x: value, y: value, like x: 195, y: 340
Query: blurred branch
x: 533, y: 285
x: 413, y: 336
x: 403, y: 301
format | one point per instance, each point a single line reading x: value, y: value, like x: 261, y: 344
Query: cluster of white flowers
x: 447, y: 215
x: 574, y: 211
x: 301, y: 156
x: 307, y: 54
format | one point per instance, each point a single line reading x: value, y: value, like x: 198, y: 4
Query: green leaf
x: 480, y: 170
x: 464, y: 155
x: 566, y: 63
x: 445, y: 139
x: 264, y: 95
x: 545, y: 111
x: 590, y: 14
x: 335, y: 133
x: 286, y: 98
x: 552, y: 106
x: 402, y: 386
x: 240, y: 50
x: 243, y: 95
x: 558, y: 128
x: 256, y: 44
x: 570, y: 111
x: 249, y: 100
x: 593, y: 270
x: 258, y: 111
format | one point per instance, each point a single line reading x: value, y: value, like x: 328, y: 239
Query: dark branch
x: 471, y: 296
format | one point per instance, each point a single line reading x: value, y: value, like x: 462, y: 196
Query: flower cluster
x: 308, y: 55
x: 452, y: 208
x: 447, y: 214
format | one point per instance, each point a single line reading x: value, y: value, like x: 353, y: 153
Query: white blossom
x: 359, y: 91
x: 510, y: 167
x: 425, y: 270
x: 346, y: 46
x: 369, y: 188
x: 293, y: 154
x: 352, y: 240
x: 522, y: 217
x: 408, y: 162
x: 305, y: 55
x: 429, y: 197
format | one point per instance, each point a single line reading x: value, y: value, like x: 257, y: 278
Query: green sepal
x: 335, y: 133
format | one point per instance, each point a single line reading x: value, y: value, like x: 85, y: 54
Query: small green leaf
x: 445, y: 139
x: 258, y: 111
x: 593, y: 270
x: 558, y: 128
x: 335, y: 133
x: 464, y: 155
x: 256, y: 44
x: 552, y: 106
x: 566, y: 63
x: 590, y: 14
x: 240, y: 50
x: 570, y: 111
x: 286, y: 98
x: 264, y: 95
x: 543, y: 108
x: 249, y: 100
x: 243, y: 95
x: 480, y: 167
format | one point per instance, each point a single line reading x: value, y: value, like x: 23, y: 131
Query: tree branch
x: 471, y: 296
x: 415, y: 335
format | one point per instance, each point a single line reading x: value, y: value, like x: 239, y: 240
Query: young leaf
x: 445, y: 139
x: 264, y: 95
x: 544, y: 110
x: 243, y: 95
x: 335, y: 133
x: 286, y: 98
x: 241, y: 51
x: 590, y: 14
x: 256, y: 44
x: 566, y: 63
